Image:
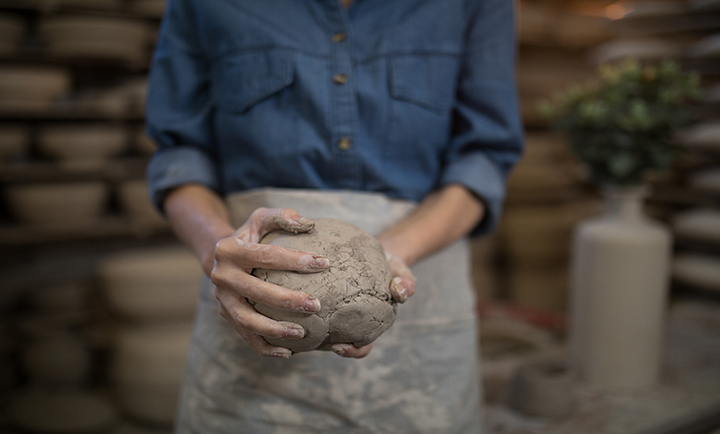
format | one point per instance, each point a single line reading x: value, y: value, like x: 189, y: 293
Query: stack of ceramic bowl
x: 14, y: 141
x: 154, y: 293
x: 59, y: 206
x: 135, y: 202
x: 95, y: 38
x: 12, y: 30
x: 82, y: 146
x: 31, y: 89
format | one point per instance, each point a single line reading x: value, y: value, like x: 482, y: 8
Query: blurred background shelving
x: 77, y: 68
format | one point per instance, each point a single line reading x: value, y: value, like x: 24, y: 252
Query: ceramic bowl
x: 698, y: 224
x: 148, y: 368
x: 698, y: 270
x: 72, y: 206
x: 82, y: 146
x: 31, y: 88
x: 12, y: 29
x: 702, y: 135
x: 135, y: 202
x: 14, y: 140
x: 94, y: 37
x: 158, y: 283
x: 706, y: 180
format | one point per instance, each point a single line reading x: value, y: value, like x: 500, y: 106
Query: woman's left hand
x: 402, y: 287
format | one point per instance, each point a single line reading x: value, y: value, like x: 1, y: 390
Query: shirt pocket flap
x: 243, y: 80
x: 424, y: 79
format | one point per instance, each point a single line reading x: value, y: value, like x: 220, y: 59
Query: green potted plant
x: 622, y: 127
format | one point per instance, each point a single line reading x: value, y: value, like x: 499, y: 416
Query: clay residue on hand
x: 354, y: 292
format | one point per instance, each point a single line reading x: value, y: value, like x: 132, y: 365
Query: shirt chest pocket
x: 422, y: 90
x: 427, y: 80
x: 243, y: 80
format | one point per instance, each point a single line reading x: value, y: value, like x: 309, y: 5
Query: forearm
x: 442, y: 218
x: 200, y: 219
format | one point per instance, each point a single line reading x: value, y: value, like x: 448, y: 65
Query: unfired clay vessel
x: 354, y: 292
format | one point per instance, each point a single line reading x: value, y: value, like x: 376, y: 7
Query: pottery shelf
x: 38, y: 172
x: 110, y: 227
x: 688, y: 22
x: 69, y: 115
x: 38, y: 58
x: 122, y: 10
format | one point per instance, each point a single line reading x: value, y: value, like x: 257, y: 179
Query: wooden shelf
x: 124, y: 9
x: 114, y: 171
x: 105, y: 229
x: 68, y: 115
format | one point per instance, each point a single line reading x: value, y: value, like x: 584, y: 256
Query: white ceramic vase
x: 619, y: 291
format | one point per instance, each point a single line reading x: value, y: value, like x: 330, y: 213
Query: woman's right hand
x: 236, y: 256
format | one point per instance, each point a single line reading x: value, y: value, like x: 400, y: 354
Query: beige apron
x: 419, y: 378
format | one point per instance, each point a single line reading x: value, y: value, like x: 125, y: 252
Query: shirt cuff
x: 482, y: 177
x: 171, y: 168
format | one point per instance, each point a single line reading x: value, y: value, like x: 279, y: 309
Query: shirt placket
x: 346, y: 165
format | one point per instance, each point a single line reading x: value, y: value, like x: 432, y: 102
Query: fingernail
x: 295, y: 331
x: 320, y: 262
x: 282, y: 354
x: 340, y: 349
x: 401, y: 290
x: 311, y: 305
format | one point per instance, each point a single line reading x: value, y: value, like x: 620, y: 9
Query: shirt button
x: 340, y: 79
x: 338, y: 37
x: 344, y: 143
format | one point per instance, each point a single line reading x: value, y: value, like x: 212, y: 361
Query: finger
x: 244, y: 316
x: 265, y: 220
x: 402, y: 286
x: 252, y: 255
x: 259, y: 344
x: 248, y: 286
x: 351, y: 351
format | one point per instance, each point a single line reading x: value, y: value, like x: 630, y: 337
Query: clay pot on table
x: 31, y: 89
x: 82, y: 146
x: 147, y: 369
x: 153, y: 283
x: 544, y: 388
x: 62, y: 207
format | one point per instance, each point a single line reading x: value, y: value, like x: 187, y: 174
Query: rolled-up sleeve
x: 179, y: 107
x: 487, y: 133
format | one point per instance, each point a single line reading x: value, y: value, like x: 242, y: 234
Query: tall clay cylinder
x: 620, y: 275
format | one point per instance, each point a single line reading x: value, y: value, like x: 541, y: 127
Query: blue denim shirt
x: 392, y: 96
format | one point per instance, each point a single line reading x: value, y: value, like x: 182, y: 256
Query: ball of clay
x: 354, y: 292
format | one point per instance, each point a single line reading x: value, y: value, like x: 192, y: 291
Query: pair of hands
x: 236, y: 256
